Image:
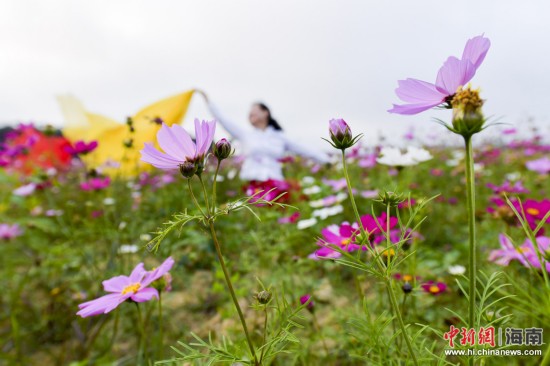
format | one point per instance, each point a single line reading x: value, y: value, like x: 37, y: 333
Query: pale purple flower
x: 25, y: 190
x: 121, y: 288
x: 541, y: 166
x: 526, y: 253
x: 8, y: 231
x: 421, y: 95
x: 178, y: 146
x: 508, y: 187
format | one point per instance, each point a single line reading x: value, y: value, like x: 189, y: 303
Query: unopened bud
x: 222, y: 149
x: 391, y: 199
x: 263, y: 297
x: 340, y: 134
x: 407, y: 287
x: 188, y: 169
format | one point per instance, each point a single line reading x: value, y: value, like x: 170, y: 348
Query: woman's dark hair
x: 270, y: 120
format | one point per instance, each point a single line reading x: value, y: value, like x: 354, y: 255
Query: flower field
x: 384, y: 256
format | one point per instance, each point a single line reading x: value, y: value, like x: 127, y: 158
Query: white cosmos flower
x: 312, y: 190
x: 304, y: 224
x: 393, y: 156
x: 457, y: 270
x: 323, y: 213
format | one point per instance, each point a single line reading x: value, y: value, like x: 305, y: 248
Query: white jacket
x: 262, y: 149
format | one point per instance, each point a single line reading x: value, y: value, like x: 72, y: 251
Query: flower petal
x: 418, y: 92
x: 101, y: 305
x: 476, y: 50
x: 157, y: 159
x: 145, y: 294
x: 116, y: 284
x: 176, y: 142
x: 409, y: 109
x: 454, y: 73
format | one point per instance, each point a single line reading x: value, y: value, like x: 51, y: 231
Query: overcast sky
x: 308, y: 60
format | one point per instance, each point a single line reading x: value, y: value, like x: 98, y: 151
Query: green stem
x: 141, y: 337
x: 395, y: 306
x: 470, y: 196
x: 387, y: 279
x: 194, y: 198
x: 350, y: 192
x: 471, y: 201
x: 214, y: 186
x: 232, y: 291
x: 160, y: 335
x: 265, y: 335
x: 205, y: 195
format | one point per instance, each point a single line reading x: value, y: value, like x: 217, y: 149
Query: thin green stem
x: 471, y: 201
x: 205, y: 195
x: 141, y: 335
x: 194, y: 198
x: 161, y: 334
x: 214, y: 203
x: 232, y: 291
x: 470, y: 197
x: 265, y: 335
x: 387, y: 279
x: 350, y: 192
x: 395, y: 306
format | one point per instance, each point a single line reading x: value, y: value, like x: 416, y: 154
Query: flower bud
x: 407, y: 287
x: 304, y: 299
x: 222, y: 149
x: 467, y: 115
x: 188, y: 169
x: 391, y: 199
x: 340, y: 134
x: 263, y: 297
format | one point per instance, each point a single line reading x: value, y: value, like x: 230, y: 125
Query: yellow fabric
x: 111, y: 135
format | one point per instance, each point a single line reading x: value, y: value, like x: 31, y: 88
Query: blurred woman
x: 264, y: 143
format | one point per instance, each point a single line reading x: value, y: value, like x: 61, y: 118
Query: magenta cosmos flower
x: 178, y: 146
x: 121, y: 288
x: 95, y: 184
x: 421, y: 95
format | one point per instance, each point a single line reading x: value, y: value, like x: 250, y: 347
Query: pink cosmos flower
x: 421, y: 95
x: 289, y: 219
x: 8, y: 232
x: 178, y: 146
x: 541, y: 166
x: 122, y: 288
x: 95, y: 184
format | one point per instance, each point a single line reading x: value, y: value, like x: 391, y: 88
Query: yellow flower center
x: 131, y: 288
x: 407, y: 278
x: 532, y: 211
x: 434, y: 289
x: 345, y: 241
